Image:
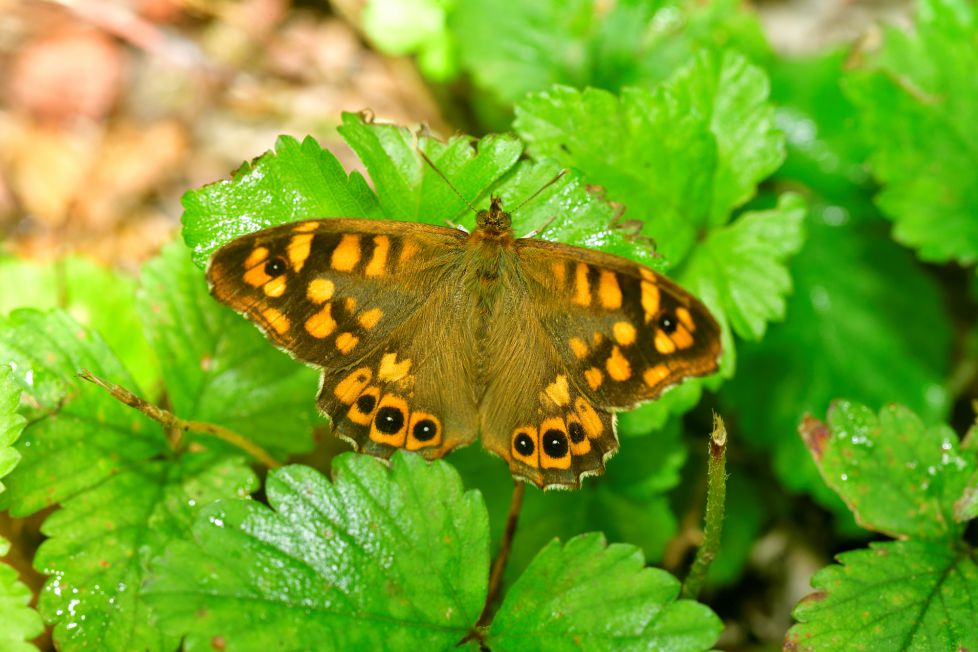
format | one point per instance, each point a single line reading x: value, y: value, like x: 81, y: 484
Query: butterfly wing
x: 611, y: 334
x: 371, y: 304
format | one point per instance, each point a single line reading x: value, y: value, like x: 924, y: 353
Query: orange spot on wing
x: 275, y: 320
x: 391, y: 370
x: 306, y: 227
x: 350, y: 304
x: 345, y: 342
x: 320, y: 290
x: 650, y: 300
x: 624, y: 333
x: 408, y: 249
x: 617, y: 365
x: 589, y: 418
x: 255, y: 275
x: 653, y: 376
x: 347, y: 253
x: 378, y: 261
x: 647, y: 273
x: 321, y: 324
x: 682, y: 337
x: 298, y: 250
x: 369, y: 318
x: 594, y: 377
x: 560, y: 273
x: 582, y: 287
x: 276, y: 287
x: 663, y: 344
x: 608, y: 290
x: 685, y: 318
x: 348, y: 389
x: 558, y: 391
x: 579, y: 347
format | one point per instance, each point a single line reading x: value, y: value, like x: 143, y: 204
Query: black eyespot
x: 576, y: 432
x: 555, y: 444
x: 667, y: 324
x: 366, y: 403
x: 389, y: 420
x: 275, y: 267
x: 524, y: 444
x: 425, y: 430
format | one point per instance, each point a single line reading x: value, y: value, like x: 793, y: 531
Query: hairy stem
x: 716, y: 494
x: 499, y: 566
x: 171, y: 421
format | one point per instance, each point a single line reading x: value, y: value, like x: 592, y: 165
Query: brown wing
x: 371, y: 303
x: 591, y: 334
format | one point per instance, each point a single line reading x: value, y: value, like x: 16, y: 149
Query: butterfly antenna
x: 447, y: 182
x: 541, y: 189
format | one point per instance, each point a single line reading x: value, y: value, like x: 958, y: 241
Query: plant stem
x: 496, y: 576
x: 716, y: 493
x: 171, y: 421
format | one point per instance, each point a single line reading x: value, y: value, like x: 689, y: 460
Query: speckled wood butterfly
x: 428, y: 336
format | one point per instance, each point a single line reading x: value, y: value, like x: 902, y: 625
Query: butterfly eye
x: 389, y: 420
x: 667, y: 324
x: 366, y: 403
x: 576, y: 432
x: 524, y: 444
x: 275, y: 266
x: 555, y: 444
x: 424, y: 430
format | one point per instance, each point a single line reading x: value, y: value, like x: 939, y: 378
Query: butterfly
x: 429, y: 337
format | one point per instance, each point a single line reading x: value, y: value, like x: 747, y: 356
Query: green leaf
x: 18, y: 622
x: 825, y: 152
x: 217, y: 366
x: 11, y: 423
x: 97, y: 297
x: 587, y: 594
x: 918, y: 98
x: 628, y: 503
x: 377, y: 559
x: 902, y: 595
x: 101, y: 541
x: 408, y: 188
x: 512, y: 48
x: 680, y: 157
x: 742, y: 266
x: 78, y: 435
x: 863, y: 322
x: 294, y: 182
x: 897, y: 476
x: 402, y: 27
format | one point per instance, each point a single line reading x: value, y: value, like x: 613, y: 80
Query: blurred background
x: 110, y: 110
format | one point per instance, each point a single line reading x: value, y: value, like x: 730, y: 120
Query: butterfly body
x: 429, y: 337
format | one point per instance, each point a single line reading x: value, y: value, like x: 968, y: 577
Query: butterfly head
x: 495, y: 221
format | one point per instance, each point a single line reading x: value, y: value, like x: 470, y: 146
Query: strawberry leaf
x: 552, y: 605
x: 379, y: 558
x: 217, y: 366
x: 917, y: 100
x: 680, y: 157
x: 901, y: 595
x: 78, y: 435
x: 18, y: 622
x: 898, y: 476
x: 11, y: 423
